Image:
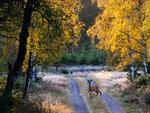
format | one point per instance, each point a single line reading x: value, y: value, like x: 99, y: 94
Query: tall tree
x: 24, y: 34
x: 49, y: 45
x: 141, y: 2
x: 120, y: 34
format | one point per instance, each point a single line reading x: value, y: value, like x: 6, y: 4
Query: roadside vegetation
x: 137, y: 95
x: 131, y: 96
x: 49, y: 95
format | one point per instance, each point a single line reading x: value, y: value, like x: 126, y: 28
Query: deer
x: 93, y: 88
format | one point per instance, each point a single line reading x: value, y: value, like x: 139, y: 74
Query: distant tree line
x: 85, y: 56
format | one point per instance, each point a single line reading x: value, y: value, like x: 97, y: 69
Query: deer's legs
x: 97, y: 92
x: 90, y: 92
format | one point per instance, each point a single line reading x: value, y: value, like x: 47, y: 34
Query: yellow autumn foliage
x: 119, y: 29
x: 49, y: 41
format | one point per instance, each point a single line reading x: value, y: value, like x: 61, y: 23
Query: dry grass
x: 115, y: 83
x: 50, y: 96
x: 95, y: 103
x: 110, y: 81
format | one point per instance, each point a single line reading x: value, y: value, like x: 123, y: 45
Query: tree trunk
x: 24, y: 34
x: 144, y: 54
x: 29, y: 77
x: 34, y: 73
x: 132, y: 69
x: 143, y: 36
x: 130, y: 54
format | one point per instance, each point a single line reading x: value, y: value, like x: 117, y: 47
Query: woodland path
x: 112, y: 104
x: 77, y: 101
x: 79, y: 105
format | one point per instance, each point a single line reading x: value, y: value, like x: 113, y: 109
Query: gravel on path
x: 76, y: 100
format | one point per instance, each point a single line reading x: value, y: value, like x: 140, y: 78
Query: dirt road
x: 112, y: 104
x: 77, y: 101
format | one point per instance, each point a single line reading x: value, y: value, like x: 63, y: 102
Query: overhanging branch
x: 3, y: 36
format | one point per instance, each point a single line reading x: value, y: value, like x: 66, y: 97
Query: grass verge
x: 115, y: 84
x: 49, y: 96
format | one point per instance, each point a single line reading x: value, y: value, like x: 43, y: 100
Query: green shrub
x: 69, y: 59
x: 71, y: 72
x: 147, y: 96
x: 85, y: 56
x: 109, y: 69
x: 39, y: 79
x: 64, y: 71
x: 148, y: 67
x: 83, y: 59
x: 142, y: 80
x: 65, y: 59
x: 96, y: 57
x: 20, y: 83
x: 73, y: 59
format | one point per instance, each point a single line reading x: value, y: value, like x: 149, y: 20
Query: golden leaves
x: 119, y: 28
x: 48, y: 40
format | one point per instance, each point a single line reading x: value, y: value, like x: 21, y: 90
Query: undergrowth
x: 136, y: 95
x: 48, y: 96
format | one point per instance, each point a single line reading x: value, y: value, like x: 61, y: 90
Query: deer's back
x: 93, y: 88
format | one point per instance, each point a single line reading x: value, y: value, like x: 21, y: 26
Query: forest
x: 47, y: 46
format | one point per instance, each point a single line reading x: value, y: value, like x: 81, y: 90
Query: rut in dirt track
x: 77, y: 101
x: 112, y: 104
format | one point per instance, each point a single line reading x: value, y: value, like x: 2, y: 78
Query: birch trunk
x: 29, y: 77
x: 132, y: 68
x: 143, y: 36
x: 130, y: 54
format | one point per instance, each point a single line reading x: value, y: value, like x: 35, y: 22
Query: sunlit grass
x: 50, y: 96
x: 109, y: 80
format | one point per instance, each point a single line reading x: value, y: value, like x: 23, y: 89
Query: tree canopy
x: 121, y: 29
x: 54, y: 24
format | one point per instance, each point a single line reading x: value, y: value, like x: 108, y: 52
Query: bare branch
x: 133, y: 38
x: 44, y: 16
x: 2, y: 42
x: 8, y: 37
x: 135, y: 51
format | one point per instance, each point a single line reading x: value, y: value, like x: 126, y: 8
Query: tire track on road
x: 76, y: 100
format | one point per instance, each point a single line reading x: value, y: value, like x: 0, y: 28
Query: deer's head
x: 89, y: 81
